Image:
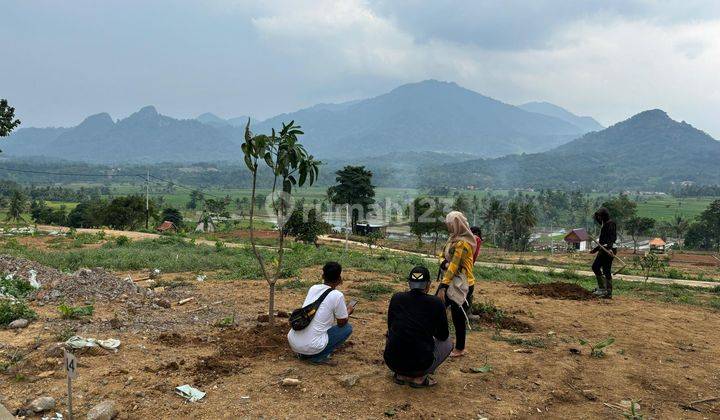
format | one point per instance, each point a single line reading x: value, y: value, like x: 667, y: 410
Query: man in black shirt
x: 418, y: 340
x: 603, y: 261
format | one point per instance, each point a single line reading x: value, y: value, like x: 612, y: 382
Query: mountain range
x: 426, y: 116
x: 649, y: 151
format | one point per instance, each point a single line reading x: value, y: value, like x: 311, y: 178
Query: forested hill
x: 428, y: 116
x: 647, y: 151
x: 145, y: 136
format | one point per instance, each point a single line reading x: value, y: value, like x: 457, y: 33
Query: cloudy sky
x: 63, y: 60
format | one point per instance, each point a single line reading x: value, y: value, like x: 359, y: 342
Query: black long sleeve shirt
x: 415, y: 320
x: 608, y: 235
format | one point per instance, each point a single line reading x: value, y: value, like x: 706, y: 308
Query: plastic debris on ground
x: 77, y: 342
x: 201, y: 277
x: 189, y: 393
x: 57, y: 416
x: 33, y: 279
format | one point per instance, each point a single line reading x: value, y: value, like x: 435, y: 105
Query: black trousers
x: 458, y: 318
x: 603, y: 264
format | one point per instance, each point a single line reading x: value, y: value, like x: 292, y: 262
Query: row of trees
x: 123, y: 213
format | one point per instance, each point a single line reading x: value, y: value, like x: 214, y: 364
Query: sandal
x: 397, y: 380
x: 426, y: 383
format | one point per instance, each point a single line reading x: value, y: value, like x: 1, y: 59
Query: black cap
x: 419, y: 277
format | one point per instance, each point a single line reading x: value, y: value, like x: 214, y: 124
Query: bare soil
x: 665, y: 356
x: 560, y: 290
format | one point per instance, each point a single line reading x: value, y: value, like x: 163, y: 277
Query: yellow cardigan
x: 462, y: 260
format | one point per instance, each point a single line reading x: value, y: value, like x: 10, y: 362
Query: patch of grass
x: 519, y: 341
x: 15, y: 286
x: 374, y: 290
x: 75, y: 312
x: 714, y: 303
x: 12, y: 310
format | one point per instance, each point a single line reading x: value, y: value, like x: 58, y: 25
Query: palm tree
x: 679, y: 227
x: 491, y: 215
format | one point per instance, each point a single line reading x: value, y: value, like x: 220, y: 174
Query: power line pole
x: 147, y: 199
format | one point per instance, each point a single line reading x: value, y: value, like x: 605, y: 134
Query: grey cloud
x: 526, y: 24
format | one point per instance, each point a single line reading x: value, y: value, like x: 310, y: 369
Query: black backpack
x: 300, y: 318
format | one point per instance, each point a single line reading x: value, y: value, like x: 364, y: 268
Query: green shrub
x: 373, y: 291
x: 75, y: 312
x: 15, y: 286
x: 122, y: 240
x: 12, y: 310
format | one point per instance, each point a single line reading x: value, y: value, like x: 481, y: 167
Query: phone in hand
x: 352, y: 303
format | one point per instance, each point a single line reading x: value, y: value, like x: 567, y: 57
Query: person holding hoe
x: 458, y: 281
x: 605, y: 253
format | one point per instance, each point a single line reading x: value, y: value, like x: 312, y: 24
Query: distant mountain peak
x: 429, y: 84
x: 587, y: 124
x: 101, y: 118
x: 146, y: 112
x: 651, y: 114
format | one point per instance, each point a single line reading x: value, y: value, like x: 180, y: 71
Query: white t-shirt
x: 313, y: 339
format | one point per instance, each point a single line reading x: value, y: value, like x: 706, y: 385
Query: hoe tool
x: 612, y: 254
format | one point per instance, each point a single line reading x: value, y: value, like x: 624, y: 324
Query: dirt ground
x: 665, y: 356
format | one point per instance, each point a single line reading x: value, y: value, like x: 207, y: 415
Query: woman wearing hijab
x: 458, y: 282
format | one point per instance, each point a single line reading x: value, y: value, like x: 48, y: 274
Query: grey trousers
x: 441, y: 353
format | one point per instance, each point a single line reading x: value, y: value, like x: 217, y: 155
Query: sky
x: 63, y: 60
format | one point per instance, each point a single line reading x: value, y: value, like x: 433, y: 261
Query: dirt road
x: 542, y: 269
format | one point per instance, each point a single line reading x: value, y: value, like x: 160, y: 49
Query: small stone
x: 290, y: 382
x: 349, y: 380
x: 589, y: 394
x: 106, y: 410
x: 41, y: 404
x: 18, y: 324
x: 163, y: 303
x: 46, y: 374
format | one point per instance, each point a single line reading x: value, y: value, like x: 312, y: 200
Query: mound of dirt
x: 85, y: 284
x: 20, y: 267
x: 237, y: 348
x: 505, y: 322
x: 560, y: 290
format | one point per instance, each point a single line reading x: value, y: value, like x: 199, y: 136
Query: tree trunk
x: 271, y: 304
x: 258, y: 257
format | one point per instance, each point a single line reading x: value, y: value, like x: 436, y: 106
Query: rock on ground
x: 349, y: 380
x: 106, y: 410
x: 290, y: 382
x: 18, y: 324
x: 42, y: 404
